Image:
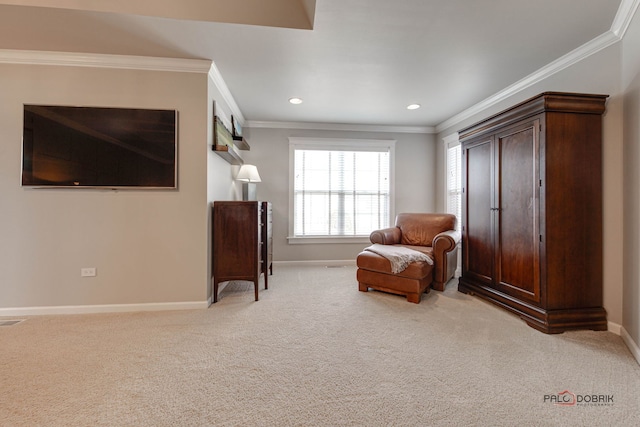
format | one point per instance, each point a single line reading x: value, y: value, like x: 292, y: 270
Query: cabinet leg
x: 255, y: 286
x: 414, y: 298
x: 438, y: 286
x: 215, y: 291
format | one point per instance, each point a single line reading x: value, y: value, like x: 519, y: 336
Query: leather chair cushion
x: 373, y: 262
x: 420, y: 229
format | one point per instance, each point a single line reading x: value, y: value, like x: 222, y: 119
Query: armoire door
x: 477, y: 235
x: 517, y: 262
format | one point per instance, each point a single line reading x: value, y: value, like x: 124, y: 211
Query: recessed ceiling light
x: 413, y: 106
x: 295, y: 101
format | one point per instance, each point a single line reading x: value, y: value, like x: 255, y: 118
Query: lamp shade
x: 248, y: 173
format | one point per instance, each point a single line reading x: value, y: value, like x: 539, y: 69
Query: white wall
x: 600, y: 74
x: 631, y: 90
x: 414, y: 182
x: 149, y: 247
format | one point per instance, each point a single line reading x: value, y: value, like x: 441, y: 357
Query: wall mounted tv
x: 99, y: 147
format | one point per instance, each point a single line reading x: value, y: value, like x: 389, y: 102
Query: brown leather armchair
x: 433, y: 234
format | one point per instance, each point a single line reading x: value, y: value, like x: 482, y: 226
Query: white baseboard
x: 331, y: 263
x: 622, y: 332
x: 614, y: 327
x: 107, y: 308
x: 633, y: 346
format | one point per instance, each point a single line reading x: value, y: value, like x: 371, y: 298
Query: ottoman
x: 374, y: 271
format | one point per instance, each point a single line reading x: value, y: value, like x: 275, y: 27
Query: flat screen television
x: 98, y: 147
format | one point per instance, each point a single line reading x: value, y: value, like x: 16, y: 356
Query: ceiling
x: 362, y: 63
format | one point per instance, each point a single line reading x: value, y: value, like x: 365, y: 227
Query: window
x: 454, y: 176
x: 340, y: 189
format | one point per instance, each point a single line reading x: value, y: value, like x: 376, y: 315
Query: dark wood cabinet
x: 532, y: 211
x: 242, y: 243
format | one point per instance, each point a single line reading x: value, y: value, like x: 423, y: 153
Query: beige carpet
x: 312, y: 352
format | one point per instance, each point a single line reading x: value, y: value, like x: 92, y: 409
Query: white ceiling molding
x: 624, y: 16
x: 577, y: 55
x: 70, y: 59
x: 219, y: 82
x: 452, y: 139
x: 340, y: 127
x: 620, y: 24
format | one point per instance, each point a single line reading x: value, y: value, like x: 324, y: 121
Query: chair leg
x: 362, y: 287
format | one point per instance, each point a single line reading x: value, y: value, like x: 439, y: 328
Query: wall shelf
x: 241, y: 143
x: 227, y: 153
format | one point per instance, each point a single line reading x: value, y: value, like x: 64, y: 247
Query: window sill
x: 328, y: 239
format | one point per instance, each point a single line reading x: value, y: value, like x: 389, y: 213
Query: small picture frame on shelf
x: 221, y: 135
x: 236, y: 128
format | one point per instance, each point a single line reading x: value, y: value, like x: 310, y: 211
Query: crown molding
x: 451, y: 139
x: 72, y: 59
x: 340, y: 127
x: 619, y: 26
x: 127, y: 62
x: 603, y: 41
x: 624, y: 16
x: 221, y: 85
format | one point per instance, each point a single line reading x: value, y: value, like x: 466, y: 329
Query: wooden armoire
x: 532, y: 211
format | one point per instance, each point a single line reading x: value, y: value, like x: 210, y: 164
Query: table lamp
x: 248, y: 175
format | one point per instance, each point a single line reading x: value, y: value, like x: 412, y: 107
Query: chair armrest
x: 386, y: 236
x: 445, y: 257
x: 446, y: 241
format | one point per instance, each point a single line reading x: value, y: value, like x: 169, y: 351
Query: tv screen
x: 99, y: 147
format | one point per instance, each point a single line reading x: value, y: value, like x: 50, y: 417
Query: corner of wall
x: 633, y: 346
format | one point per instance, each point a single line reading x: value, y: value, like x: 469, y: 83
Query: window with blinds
x: 454, y: 178
x: 340, y: 189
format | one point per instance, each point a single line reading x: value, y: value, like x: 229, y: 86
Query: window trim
x: 338, y: 144
x: 450, y: 141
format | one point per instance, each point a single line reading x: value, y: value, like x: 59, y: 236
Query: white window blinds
x: 340, y: 191
x: 454, y: 179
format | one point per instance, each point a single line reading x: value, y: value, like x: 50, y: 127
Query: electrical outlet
x: 88, y: 272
